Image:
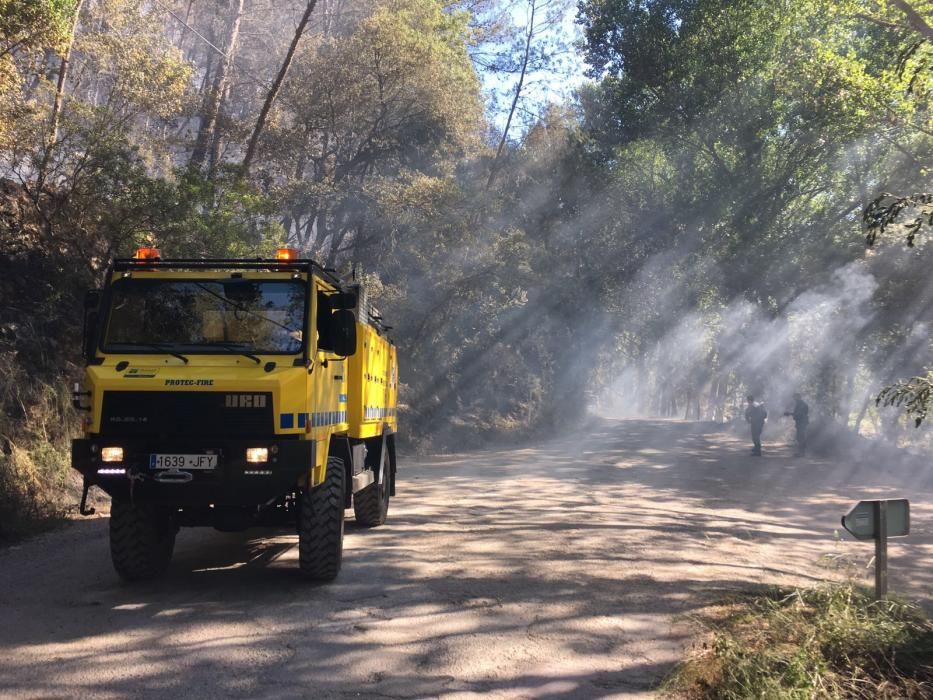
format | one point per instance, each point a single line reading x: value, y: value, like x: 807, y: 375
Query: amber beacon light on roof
x: 148, y: 253
x: 286, y: 254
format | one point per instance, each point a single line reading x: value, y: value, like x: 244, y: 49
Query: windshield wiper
x: 232, y: 346
x: 164, y: 347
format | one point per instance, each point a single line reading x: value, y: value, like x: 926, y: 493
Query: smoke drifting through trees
x: 702, y: 364
x: 747, y: 138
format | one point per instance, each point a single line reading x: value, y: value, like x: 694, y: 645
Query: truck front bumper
x: 232, y: 482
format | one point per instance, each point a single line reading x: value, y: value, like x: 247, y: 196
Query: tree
x: 59, y: 96
x: 395, y: 97
x: 276, y: 86
x: 207, y: 139
x: 753, y: 134
x: 30, y: 25
x: 28, y: 29
x: 888, y: 210
x: 916, y: 20
x: 543, y: 18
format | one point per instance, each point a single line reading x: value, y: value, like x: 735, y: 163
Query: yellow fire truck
x: 234, y: 394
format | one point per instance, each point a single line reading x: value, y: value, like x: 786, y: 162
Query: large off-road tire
x: 142, y: 539
x: 320, y: 525
x: 371, y: 505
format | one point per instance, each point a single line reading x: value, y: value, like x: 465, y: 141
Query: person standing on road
x: 756, y: 415
x: 801, y: 415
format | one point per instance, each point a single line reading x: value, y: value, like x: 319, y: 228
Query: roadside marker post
x: 879, y: 520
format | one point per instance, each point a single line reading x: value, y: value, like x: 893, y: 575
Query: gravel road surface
x: 572, y: 570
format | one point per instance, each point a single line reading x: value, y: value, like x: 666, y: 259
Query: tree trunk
x: 916, y: 20
x: 890, y: 426
x: 848, y: 395
x: 723, y: 399
x: 636, y: 400
x: 207, y: 136
x: 494, y: 168
x: 306, y: 233
x: 861, y: 414
x: 208, y: 78
x: 276, y: 86
x: 183, y: 33
x: 335, y: 246
x: 59, y: 98
x: 321, y: 231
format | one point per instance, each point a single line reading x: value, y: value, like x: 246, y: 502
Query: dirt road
x: 570, y: 570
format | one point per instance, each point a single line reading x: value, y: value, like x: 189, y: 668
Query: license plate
x: 202, y: 462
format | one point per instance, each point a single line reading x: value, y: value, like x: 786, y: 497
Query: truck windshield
x: 231, y: 316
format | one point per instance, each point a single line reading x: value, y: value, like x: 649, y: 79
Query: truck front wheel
x: 142, y: 539
x: 320, y: 525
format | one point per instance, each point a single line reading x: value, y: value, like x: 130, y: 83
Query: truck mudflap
x: 180, y: 473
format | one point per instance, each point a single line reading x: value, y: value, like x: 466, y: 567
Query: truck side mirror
x: 91, y: 315
x: 325, y: 322
x: 343, y: 332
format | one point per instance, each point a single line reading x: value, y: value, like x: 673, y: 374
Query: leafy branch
x: 914, y: 395
x: 886, y: 210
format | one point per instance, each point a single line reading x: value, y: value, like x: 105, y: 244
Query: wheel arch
x: 339, y: 447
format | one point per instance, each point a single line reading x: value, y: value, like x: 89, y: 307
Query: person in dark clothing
x: 756, y: 415
x: 801, y: 415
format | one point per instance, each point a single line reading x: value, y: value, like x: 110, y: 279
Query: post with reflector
x: 879, y: 520
x: 881, y: 550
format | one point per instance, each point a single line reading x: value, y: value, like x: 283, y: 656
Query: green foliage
x: 914, y: 396
x: 35, y: 421
x: 134, y: 69
x: 197, y: 216
x: 393, y: 97
x: 28, y: 25
x: 28, y: 29
x: 738, y: 143
x: 667, y: 63
x: 887, y: 210
x: 710, y: 175
x: 830, y: 642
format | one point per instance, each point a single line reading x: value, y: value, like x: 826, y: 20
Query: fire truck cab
x: 235, y: 394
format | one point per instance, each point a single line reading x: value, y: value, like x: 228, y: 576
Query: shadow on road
x: 571, y: 569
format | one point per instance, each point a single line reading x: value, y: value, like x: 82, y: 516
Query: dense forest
x: 687, y: 226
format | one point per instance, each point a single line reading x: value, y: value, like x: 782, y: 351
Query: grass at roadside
x: 37, y: 421
x: 36, y: 489
x: 831, y: 642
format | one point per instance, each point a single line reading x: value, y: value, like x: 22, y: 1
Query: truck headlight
x: 255, y: 455
x: 111, y: 454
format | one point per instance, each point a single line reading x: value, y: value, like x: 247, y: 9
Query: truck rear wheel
x: 371, y: 505
x: 142, y: 539
x: 320, y: 525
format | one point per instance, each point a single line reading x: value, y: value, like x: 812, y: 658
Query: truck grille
x: 139, y: 413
